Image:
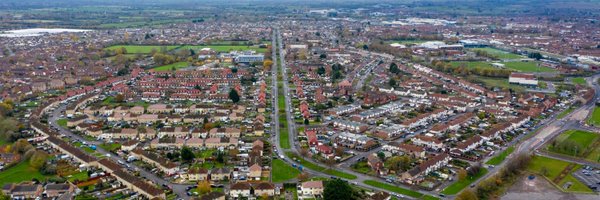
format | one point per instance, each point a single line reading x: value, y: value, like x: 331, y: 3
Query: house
x: 23, y: 191
x: 380, y: 196
x: 155, y: 159
x: 255, y: 172
x: 220, y: 174
x: 56, y: 190
x: 427, y: 141
x: 374, y: 162
x: 240, y: 190
x: 311, y: 188
x: 430, y: 165
x: 406, y: 149
x: 129, y: 145
x: 196, y: 174
x: 264, y: 189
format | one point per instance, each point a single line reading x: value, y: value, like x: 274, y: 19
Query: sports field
x: 499, y: 53
x: 142, y: 49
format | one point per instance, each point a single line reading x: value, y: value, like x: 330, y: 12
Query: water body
x: 38, y: 32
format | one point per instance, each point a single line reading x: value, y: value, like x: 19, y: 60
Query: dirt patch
x: 540, y: 188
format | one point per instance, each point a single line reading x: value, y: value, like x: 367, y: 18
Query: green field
x: 282, y: 172
x: 594, y: 119
x: 62, y: 122
x: 582, y: 139
x: 142, y: 49
x: 553, y: 168
x: 405, y: 42
x: 499, y: 53
x: 395, y: 189
x: 225, y: 48
x: 316, y: 167
x: 501, y: 83
x: 579, y: 81
x: 527, y: 67
x: 459, y: 185
x: 110, y: 146
x: 472, y: 64
x: 20, y: 172
x: 565, y: 112
x: 496, y: 160
x: 169, y: 67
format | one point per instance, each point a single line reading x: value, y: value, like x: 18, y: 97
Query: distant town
x: 363, y: 100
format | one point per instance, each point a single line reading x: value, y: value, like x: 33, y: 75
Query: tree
x: 467, y: 194
x: 119, y: 98
x: 303, y: 176
x: 306, y: 122
x: 187, y: 154
x: 234, y: 96
x: 267, y: 64
x: 203, y: 187
x: 394, y: 68
x: 381, y: 155
x: 337, y: 189
x: 462, y: 174
x: 398, y: 163
x: 321, y: 71
x: 392, y: 82
x: 38, y: 159
x: 303, y: 152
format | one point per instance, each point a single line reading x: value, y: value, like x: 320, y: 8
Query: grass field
x: 594, y: 120
x: 225, y: 48
x: 565, y: 112
x: 110, y: 146
x: 62, y: 122
x: 284, y: 136
x: 20, y: 172
x: 282, y: 172
x: 395, y: 189
x: 553, y: 169
x: 457, y: 186
x: 142, y: 49
x: 406, y: 41
x: 500, y: 53
x: 527, y: 67
x: 315, y: 167
x: 496, y: 160
x: 579, y: 80
x: 473, y: 64
x: 172, y: 66
x: 583, y: 139
x: 501, y: 83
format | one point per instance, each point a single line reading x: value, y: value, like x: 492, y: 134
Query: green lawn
x: 565, y: 112
x: 393, y: 188
x: 473, y: 64
x: 110, y: 146
x: 594, y: 120
x: 316, y: 167
x: 62, y: 122
x: 340, y: 174
x: 583, y: 139
x: 527, y: 66
x: 282, y: 172
x: 284, y: 135
x: 81, y: 176
x: 457, y: 186
x: 500, y: 53
x: 501, y: 83
x: 142, y: 49
x: 225, y: 48
x: 579, y: 80
x: 20, y: 172
x: 496, y: 160
x: 172, y: 66
x: 553, y: 169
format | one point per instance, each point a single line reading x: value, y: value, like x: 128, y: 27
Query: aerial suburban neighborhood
x: 264, y: 99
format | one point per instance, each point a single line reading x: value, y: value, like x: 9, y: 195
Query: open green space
x: 499, y: 53
x: 19, y: 173
x: 573, y: 143
x: 500, y: 83
x: 594, y: 119
x: 552, y: 168
x: 282, y: 172
x: 395, y: 189
x: 459, y: 185
x: 62, y: 122
x: 225, y: 48
x: 316, y: 167
x: 565, y: 112
x: 579, y: 81
x: 530, y: 66
x: 142, y: 49
x: 472, y: 64
x: 406, y: 41
x: 81, y: 176
x: 172, y: 67
x: 110, y: 146
x: 284, y: 136
x: 496, y: 160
